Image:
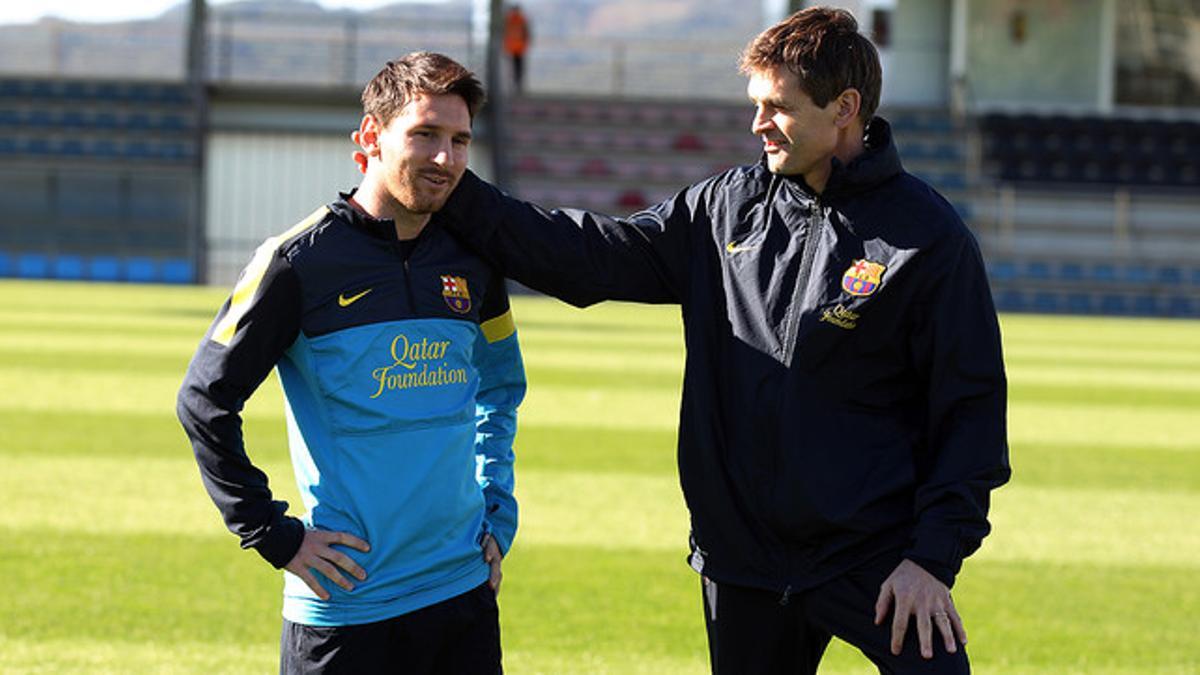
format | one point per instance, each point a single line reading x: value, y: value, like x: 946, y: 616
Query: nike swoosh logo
x: 343, y: 301
x: 734, y: 248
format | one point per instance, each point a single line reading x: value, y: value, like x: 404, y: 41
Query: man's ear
x: 368, y: 135
x: 849, y: 102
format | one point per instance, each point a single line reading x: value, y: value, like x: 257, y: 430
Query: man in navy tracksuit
x: 843, y: 413
x: 402, y: 374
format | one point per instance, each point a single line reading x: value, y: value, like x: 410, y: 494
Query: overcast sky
x: 15, y: 11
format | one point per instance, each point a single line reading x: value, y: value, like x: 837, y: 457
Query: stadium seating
x: 618, y: 155
x: 97, y: 176
x: 1090, y: 150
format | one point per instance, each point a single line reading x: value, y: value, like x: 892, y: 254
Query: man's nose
x: 760, y: 123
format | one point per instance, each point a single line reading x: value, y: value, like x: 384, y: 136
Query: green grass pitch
x: 114, y: 561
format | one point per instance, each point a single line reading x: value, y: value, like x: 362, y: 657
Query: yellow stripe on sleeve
x: 247, y: 286
x: 499, y: 328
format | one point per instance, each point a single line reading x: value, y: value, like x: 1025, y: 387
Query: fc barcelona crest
x: 863, y: 277
x: 455, y: 293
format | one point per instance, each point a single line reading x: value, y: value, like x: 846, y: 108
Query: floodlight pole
x: 196, y: 66
x: 494, y: 112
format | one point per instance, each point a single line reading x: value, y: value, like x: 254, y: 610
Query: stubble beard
x: 422, y: 199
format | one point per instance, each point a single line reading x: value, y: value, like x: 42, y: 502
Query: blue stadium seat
x: 1114, y: 304
x: 1003, y: 270
x: 1181, y: 305
x: 177, y: 271
x: 6, y: 265
x: 11, y: 118
x: 1146, y: 305
x: 1104, y: 272
x: 142, y: 270
x: 139, y: 120
x: 1070, y: 271
x: 1172, y: 276
x: 8, y: 146
x: 173, y: 122
x: 1037, y: 269
x: 71, y: 146
x: 1079, y: 303
x: 1010, y: 300
x: 1138, y: 274
x: 33, y: 266
x: 73, y: 119
x: 105, y: 120
x: 105, y: 148
x: 37, y: 146
x: 68, y: 267
x: 76, y: 89
x: 42, y: 89
x: 104, y: 268
x: 1045, y: 301
x: 952, y: 181
x: 140, y: 149
x: 40, y: 117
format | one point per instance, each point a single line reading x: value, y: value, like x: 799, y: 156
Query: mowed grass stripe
x: 1046, y: 618
x: 131, y: 343
x: 1150, y: 361
x: 150, y: 588
x: 114, y: 392
x: 69, y: 361
x: 1100, y: 375
x: 574, y: 406
x: 1117, y: 334
x: 1107, y: 425
x: 1095, y: 526
x: 1104, y: 467
x: 626, y: 511
x: 105, y: 323
x: 1150, y: 398
x: 117, y: 656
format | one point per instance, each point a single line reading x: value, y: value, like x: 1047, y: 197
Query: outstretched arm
x: 578, y: 256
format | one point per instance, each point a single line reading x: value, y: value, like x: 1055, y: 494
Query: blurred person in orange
x: 517, y: 37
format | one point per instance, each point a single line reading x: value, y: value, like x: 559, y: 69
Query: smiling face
x: 419, y: 157
x: 798, y: 137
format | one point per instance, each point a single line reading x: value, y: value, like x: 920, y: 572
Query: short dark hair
x: 823, y: 47
x: 428, y: 73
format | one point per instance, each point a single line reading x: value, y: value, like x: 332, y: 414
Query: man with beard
x: 401, y: 371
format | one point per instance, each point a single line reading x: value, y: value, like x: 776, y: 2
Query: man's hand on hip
x: 316, y: 553
x: 919, y: 594
x: 491, y: 555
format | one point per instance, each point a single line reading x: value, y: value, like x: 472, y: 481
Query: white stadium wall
x: 260, y: 183
x: 1053, y: 55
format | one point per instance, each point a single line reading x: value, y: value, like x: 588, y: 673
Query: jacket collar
x: 381, y: 228
x: 878, y: 163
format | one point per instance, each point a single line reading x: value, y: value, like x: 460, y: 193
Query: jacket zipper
x: 412, y: 304
x: 807, y: 252
x: 408, y: 292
